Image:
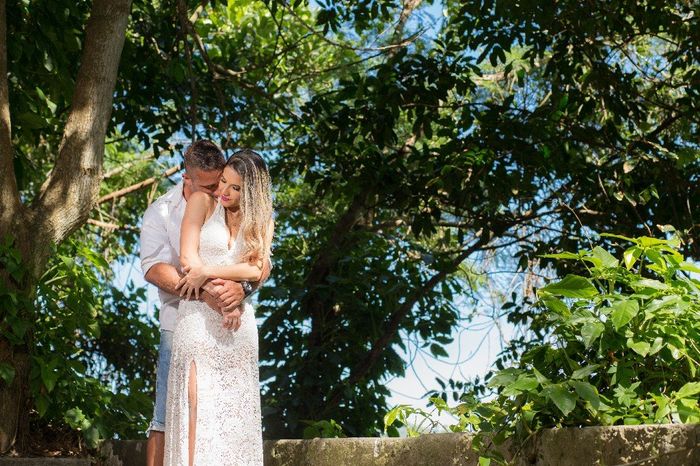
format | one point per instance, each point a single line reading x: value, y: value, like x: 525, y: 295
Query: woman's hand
x: 192, y: 281
x: 232, y: 319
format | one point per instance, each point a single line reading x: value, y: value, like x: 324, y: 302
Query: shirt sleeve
x: 155, y: 246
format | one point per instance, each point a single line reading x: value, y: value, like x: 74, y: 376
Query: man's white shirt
x: 160, y: 242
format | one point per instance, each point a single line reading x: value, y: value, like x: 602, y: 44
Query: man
x: 160, y: 253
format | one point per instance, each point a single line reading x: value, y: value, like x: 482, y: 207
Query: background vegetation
x: 411, y: 143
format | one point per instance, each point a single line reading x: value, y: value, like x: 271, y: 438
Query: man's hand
x: 211, y: 301
x: 229, y: 294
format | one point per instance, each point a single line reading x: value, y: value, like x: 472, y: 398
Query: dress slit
x: 192, y: 404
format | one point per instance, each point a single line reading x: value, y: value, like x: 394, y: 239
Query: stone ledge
x: 648, y: 445
x: 7, y: 461
x: 660, y: 445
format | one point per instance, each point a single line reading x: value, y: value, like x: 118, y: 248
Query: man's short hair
x: 204, y: 155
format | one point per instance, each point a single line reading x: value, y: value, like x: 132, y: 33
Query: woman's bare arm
x: 198, y: 205
x: 236, y: 272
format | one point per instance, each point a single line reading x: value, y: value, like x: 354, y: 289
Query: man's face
x: 202, y: 180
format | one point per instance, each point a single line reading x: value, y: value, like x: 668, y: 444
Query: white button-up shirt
x: 160, y: 242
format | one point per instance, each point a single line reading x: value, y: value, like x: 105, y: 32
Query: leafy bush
x: 323, y: 429
x: 621, y: 346
x: 92, y: 355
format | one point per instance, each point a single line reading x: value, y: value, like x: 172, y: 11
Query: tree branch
x: 399, y: 44
x: 407, y: 8
x: 362, y: 368
x: 9, y: 196
x: 110, y: 226
x: 140, y: 185
x: 70, y: 191
x: 125, y: 166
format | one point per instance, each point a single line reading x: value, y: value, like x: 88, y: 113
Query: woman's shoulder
x: 202, y: 201
x: 202, y: 198
x: 200, y: 206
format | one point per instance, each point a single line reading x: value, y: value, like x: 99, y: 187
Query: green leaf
x: 606, y: 259
x: 631, y: 256
x: 49, y: 376
x: 639, y: 347
x: 649, y: 283
x: 503, y: 377
x: 664, y: 408
x: 623, y: 312
x: 587, y: 392
x: 484, y: 461
x: 540, y: 378
x: 688, y: 390
x: 42, y: 404
x: 590, y: 332
x: 391, y: 416
x: 523, y: 384
x: 562, y: 255
x: 74, y: 417
x: 7, y: 372
x: 572, y: 286
x: 688, y: 410
x: 438, y: 350
x: 688, y: 267
x: 647, y: 241
x: 585, y: 371
x: 626, y: 238
x: 562, y: 398
x: 92, y: 436
x: 556, y: 305
x: 656, y: 346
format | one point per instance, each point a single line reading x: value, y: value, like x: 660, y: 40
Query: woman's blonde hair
x: 254, y: 239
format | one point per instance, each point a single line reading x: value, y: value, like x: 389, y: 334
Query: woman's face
x: 230, y: 186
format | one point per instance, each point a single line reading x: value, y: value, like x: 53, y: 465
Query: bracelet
x: 247, y: 288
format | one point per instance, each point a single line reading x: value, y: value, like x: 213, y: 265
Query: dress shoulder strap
x: 218, y: 215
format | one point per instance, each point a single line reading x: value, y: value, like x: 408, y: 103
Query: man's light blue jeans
x: 164, y: 350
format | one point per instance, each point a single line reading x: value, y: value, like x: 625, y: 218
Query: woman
x: 213, y: 407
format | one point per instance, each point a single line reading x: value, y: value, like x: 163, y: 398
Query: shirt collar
x: 175, y: 194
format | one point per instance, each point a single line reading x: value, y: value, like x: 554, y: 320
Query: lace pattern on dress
x: 229, y: 430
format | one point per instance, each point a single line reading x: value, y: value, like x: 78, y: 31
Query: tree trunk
x: 13, y: 396
x: 67, y: 196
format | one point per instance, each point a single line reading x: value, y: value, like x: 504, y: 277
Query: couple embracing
x: 206, y: 245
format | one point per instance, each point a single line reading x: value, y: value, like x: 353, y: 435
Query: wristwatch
x: 247, y: 288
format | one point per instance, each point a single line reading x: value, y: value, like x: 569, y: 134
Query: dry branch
x: 140, y: 185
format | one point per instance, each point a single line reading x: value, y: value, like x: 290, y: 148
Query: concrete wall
x: 659, y: 445
x: 664, y: 445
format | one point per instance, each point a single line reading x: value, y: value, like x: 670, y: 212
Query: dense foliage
x: 619, y: 345
x: 408, y: 140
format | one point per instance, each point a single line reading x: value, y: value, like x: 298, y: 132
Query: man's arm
x: 156, y: 256
x: 165, y: 276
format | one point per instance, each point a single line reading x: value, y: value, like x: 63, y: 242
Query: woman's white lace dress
x: 228, y: 428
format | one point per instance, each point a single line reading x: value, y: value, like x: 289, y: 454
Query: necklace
x: 233, y: 219
x: 233, y: 223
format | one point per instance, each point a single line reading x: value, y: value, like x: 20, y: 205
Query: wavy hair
x: 257, y: 225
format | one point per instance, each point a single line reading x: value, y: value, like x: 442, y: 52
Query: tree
x: 67, y: 195
x: 405, y: 149
x: 425, y: 162
x: 63, y: 323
